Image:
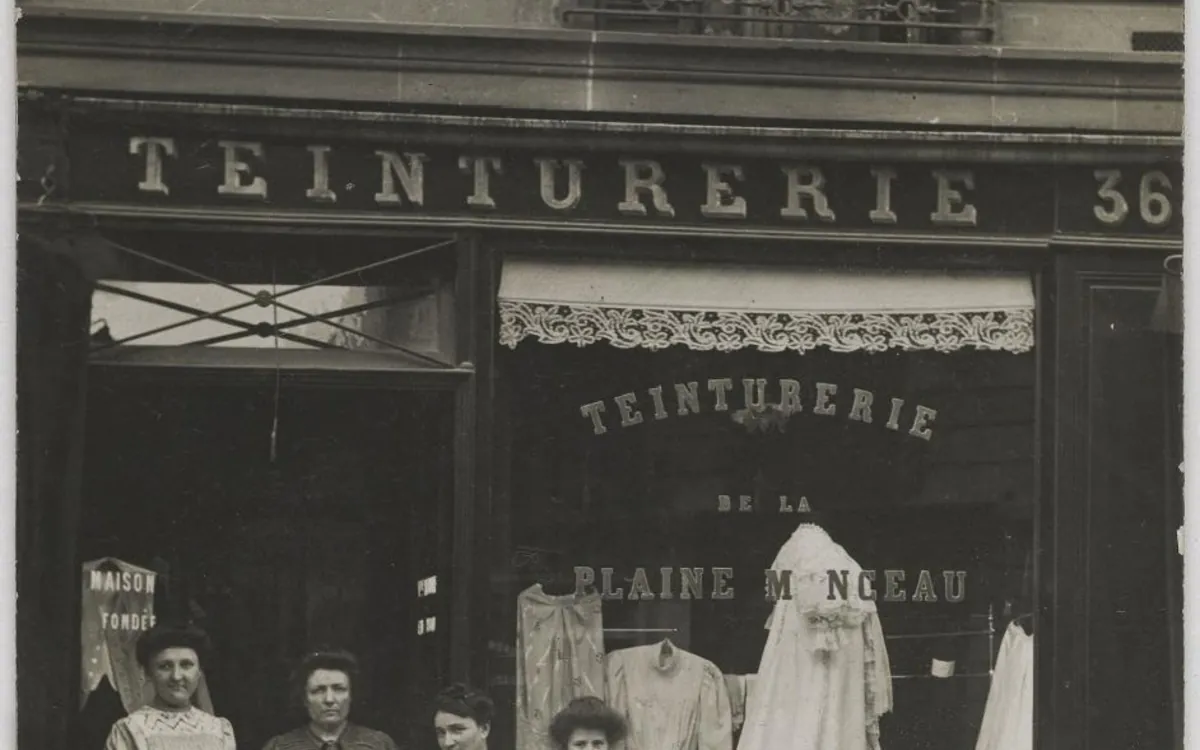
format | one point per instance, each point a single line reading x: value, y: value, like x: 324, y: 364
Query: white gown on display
x: 824, y: 678
x: 1008, y: 716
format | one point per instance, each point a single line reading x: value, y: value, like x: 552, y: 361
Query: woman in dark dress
x: 324, y: 685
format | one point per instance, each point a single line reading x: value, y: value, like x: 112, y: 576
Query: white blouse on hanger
x: 672, y: 699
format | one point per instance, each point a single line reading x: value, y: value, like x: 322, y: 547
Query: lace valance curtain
x: 710, y: 307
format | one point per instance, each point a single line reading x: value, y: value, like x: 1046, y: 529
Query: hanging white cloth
x: 1008, y: 714
x: 824, y: 678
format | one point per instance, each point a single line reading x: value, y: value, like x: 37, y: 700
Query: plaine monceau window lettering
x: 691, y: 583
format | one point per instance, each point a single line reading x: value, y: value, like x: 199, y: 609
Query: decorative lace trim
x: 991, y: 330
x: 878, y: 678
x: 832, y: 628
x: 872, y: 697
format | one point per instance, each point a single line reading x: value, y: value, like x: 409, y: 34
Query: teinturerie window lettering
x: 823, y: 399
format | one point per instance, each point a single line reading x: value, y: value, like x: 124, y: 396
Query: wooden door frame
x: 1063, y: 654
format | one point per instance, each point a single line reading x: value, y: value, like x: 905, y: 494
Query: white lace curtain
x: 710, y: 307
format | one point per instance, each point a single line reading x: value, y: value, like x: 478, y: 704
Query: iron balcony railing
x: 897, y: 21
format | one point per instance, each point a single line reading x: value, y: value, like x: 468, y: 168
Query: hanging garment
x: 150, y: 728
x: 671, y: 699
x: 735, y: 685
x: 118, y: 606
x: 824, y: 678
x: 560, y: 656
x: 1008, y: 714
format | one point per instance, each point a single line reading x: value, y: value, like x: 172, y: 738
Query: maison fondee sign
x: 165, y: 169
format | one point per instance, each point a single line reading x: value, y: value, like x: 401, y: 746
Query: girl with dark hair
x: 463, y: 718
x: 172, y: 657
x: 587, y: 724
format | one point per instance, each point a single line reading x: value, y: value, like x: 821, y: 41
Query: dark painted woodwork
x: 1003, y: 200
x: 1112, y: 616
x: 475, y: 306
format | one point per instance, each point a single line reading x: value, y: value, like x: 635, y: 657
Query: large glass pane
x: 669, y: 484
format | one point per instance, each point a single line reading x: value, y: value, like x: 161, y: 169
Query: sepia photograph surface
x: 599, y: 375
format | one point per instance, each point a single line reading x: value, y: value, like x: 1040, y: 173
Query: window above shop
x: 286, y: 317
x: 895, y: 21
x: 285, y: 297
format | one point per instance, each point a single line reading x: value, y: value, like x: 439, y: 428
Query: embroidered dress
x: 1008, y: 715
x: 560, y: 656
x: 150, y: 728
x: 672, y: 701
x: 824, y: 678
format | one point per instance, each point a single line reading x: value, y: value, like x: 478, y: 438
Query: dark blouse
x: 353, y: 738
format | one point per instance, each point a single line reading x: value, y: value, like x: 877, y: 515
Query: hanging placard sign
x: 118, y: 606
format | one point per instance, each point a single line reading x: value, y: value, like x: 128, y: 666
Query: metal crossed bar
x: 263, y: 299
x: 249, y: 328
x: 316, y: 318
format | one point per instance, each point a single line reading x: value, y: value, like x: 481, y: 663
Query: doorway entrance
x: 282, y: 518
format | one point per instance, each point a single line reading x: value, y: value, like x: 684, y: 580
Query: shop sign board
x: 512, y: 186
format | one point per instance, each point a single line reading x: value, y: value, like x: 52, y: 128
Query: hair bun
x: 463, y: 700
x: 166, y: 635
x: 457, y: 691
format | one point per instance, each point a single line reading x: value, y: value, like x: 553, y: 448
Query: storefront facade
x: 632, y: 358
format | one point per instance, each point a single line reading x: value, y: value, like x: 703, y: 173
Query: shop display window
x: 662, y: 499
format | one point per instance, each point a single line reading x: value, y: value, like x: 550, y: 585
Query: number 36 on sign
x: 1154, y: 197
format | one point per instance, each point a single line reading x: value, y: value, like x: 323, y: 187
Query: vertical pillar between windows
x: 475, y: 291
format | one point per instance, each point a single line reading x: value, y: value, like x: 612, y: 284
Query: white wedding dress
x: 824, y: 678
